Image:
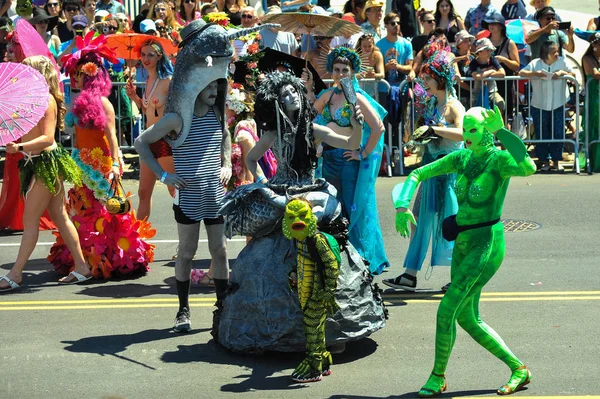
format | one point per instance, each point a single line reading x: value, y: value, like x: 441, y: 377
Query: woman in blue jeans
x: 548, y: 99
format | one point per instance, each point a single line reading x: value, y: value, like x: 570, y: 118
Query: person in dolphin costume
x: 193, y: 126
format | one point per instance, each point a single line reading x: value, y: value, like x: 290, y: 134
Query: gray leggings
x: 188, y: 244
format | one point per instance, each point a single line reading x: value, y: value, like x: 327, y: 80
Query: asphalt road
x: 113, y: 338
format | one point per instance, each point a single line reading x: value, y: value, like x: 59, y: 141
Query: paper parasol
x: 127, y: 45
x: 518, y: 29
x: 312, y: 24
x: 23, y: 100
x: 32, y: 43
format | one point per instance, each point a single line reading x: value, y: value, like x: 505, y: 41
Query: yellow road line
x: 134, y: 306
x: 486, y: 294
x: 103, y: 301
x: 436, y: 300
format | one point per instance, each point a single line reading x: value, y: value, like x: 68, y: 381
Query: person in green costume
x: 483, y: 173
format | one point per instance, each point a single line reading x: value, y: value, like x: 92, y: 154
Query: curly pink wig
x: 88, y: 106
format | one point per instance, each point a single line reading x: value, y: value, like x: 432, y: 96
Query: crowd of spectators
x: 391, y: 40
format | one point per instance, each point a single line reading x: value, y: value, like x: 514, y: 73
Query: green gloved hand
x: 492, y: 120
x: 402, y: 220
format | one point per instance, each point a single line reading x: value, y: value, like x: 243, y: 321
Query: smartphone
x: 564, y: 25
x: 79, y: 33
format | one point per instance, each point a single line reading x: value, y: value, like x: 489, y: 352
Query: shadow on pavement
x: 262, y: 367
x: 136, y: 290
x: 32, y: 264
x: 112, y: 345
x: 475, y: 392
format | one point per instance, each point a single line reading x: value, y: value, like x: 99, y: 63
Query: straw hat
x: 371, y: 4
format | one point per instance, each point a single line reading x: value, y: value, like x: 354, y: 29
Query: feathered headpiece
x: 344, y: 52
x: 86, y: 45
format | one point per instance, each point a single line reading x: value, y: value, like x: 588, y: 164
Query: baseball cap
x: 79, y: 20
x: 462, y: 36
x: 484, y: 44
x: 542, y: 12
x: 147, y: 25
x: 101, y: 13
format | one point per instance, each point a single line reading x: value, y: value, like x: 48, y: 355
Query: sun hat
x: 594, y: 37
x: 494, y: 18
x: 532, y: 2
x: 371, y: 4
x: 462, y: 36
x: 40, y: 15
x: 484, y: 44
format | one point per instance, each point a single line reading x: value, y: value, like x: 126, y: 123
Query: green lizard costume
x: 483, y: 173
x: 317, y: 272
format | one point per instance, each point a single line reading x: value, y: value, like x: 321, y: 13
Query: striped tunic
x: 198, y: 161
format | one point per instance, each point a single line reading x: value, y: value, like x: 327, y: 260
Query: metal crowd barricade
x: 588, y: 144
x: 136, y: 122
x: 371, y: 86
x: 521, y: 104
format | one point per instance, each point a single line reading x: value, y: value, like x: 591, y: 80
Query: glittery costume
x: 317, y: 272
x: 261, y: 313
x: 483, y: 173
x: 355, y: 180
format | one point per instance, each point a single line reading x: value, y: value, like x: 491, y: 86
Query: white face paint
x: 209, y: 95
x: 289, y: 98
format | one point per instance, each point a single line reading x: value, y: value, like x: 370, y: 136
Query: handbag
x: 518, y: 126
x: 451, y: 229
x: 118, y: 204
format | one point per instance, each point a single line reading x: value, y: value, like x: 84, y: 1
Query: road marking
x: 172, y: 302
x: 41, y: 244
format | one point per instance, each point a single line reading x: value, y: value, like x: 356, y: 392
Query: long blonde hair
x: 44, y: 66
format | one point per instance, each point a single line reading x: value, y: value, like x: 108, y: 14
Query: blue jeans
x: 549, y: 125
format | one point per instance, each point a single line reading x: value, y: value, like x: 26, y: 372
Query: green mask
x: 477, y: 138
x: 299, y: 221
x: 24, y: 8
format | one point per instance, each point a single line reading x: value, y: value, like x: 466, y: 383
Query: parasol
x: 127, y: 45
x: 32, y: 43
x: 518, y: 29
x: 23, y: 100
x: 313, y: 24
x: 585, y: 34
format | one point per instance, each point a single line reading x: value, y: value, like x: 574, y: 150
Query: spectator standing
x: 549, y: 95
x: 462, y: 58
x: 373, y: 13
x: 408, y: 17
x: 162, y: 11
x: 79, y: 24
x: 148, y: 27
x: 546, y: 17
x: 507, y: 55
x: 486, y: 67
x: 5, y: 27
x: 427, y: 21
x: 44, y: 24
x: 71, y: 8
x: 398, y: 60
x: 188, y: 12
x: 447, y: 19
x: 207, y: 8
x: 514, y: 9
x: 374, y: 68
x: 249, y: 17
x: 594, y: 23
x: 319, y: 53
x: 113, y: 7
x: 233, y: 9
x: 89, y: 9
x: 353, y: 11
x: 591, y: 68
x: 476, y: 15
x: 53, y: 8
x: 277, y: 40
x: 538, y: 5
x: 123, y: 21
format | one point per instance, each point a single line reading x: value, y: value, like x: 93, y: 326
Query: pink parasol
x: 23, y: 100
x: 32, y: 43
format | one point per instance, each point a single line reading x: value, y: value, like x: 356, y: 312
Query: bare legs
x: 146, y: 185
x: 38, y: 200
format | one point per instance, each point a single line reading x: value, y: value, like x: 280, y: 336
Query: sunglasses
x: 188, y: 1
x: 430, y: 21
x: 161, y: 28
x: 122, y: 20
x: 71, y: 9
x: 52, y: 5
x: 394, y: 23
x: 247, y: 16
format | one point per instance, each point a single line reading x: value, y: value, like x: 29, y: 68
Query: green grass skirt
x: 50, y: 167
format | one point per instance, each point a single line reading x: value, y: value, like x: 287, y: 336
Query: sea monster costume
x: 317, y: 271
x: 483, y: 173
x: 261, y: 313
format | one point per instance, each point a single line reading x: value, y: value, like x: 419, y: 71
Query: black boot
x: 221, y: 286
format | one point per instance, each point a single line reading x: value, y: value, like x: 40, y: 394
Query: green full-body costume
x: 483, y: 173
x: 317, y: 281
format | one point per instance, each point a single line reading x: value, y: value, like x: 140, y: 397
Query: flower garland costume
x: 317, y: 271
x: 483, y: 174
x: 114, y: 244
x: 436, y: 199
x: 355, y: 180
x: 261, y: 313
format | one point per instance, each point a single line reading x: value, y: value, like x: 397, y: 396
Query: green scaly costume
x: 483, y: 173
x: 317, y: 281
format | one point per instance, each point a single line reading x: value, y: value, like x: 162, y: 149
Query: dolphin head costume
x: 204, y: 57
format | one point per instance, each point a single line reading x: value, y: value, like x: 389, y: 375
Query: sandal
x: 77, y: 278
x: 507, y: 389
x: 409, y: 283
x: 11, y: 284
x: 426, y: 392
